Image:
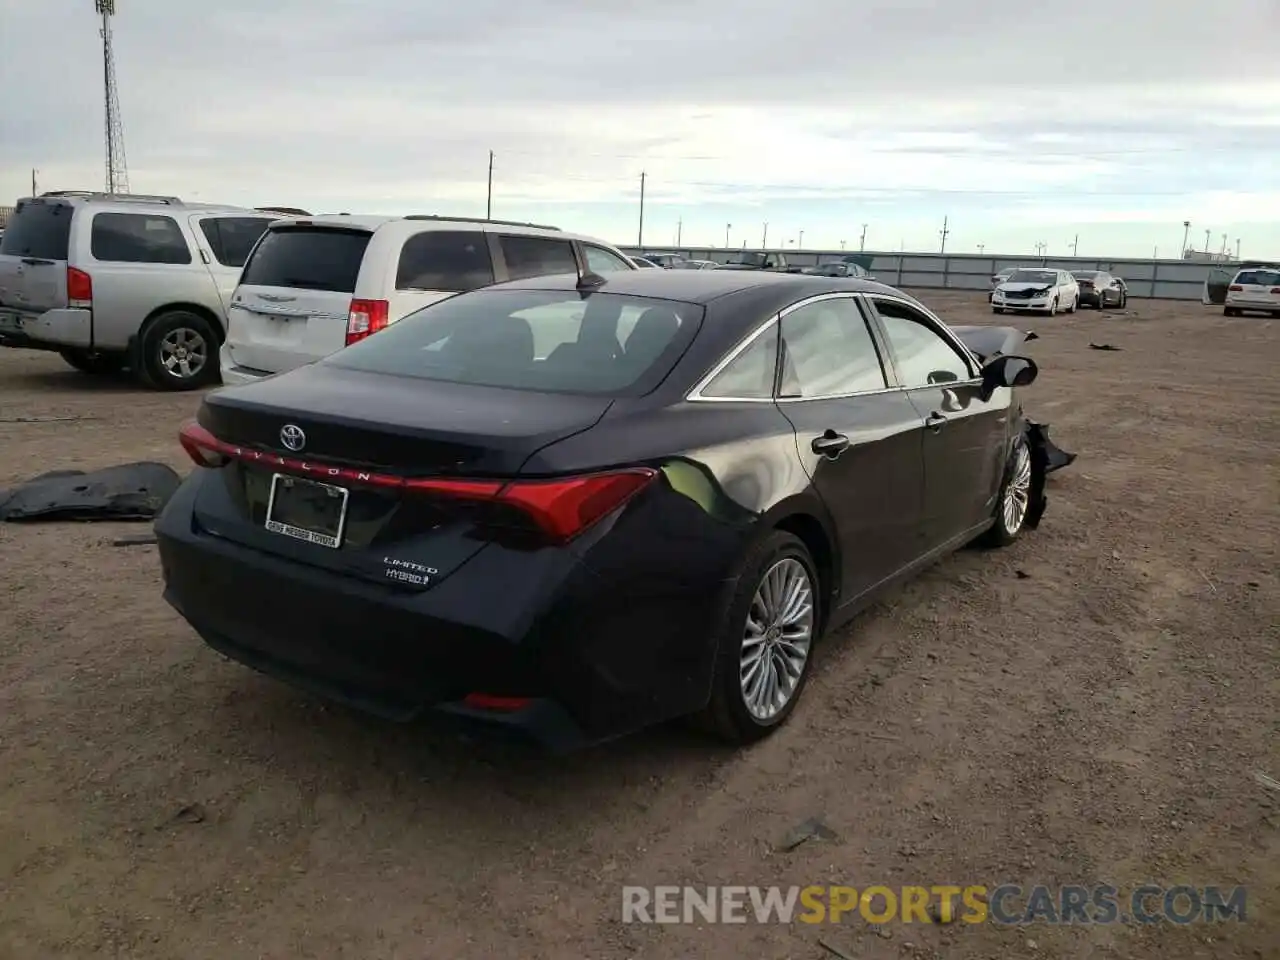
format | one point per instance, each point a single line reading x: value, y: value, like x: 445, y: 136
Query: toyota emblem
x: 292, y: 437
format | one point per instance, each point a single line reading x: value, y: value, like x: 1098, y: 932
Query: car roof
x: 417, y: 223
x: 703, y: 286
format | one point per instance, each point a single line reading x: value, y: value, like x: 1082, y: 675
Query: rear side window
x: 137, y: 238
x: 600, y: 260
x: 446, y: 260
x: 537, y: 257
x: 544, y: 341
x: 308, y: 258
x: 828, y: 350
x: 38, y: 229
x: 749, y: 376
x: 232, y: 238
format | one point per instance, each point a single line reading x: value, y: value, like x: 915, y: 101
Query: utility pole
x: 800, y: 242
x: 1186, y: 232
x: 764, y: 237
x: 679, y: 230
x: 640, y: 236
x: 943, y: 234
x: 841, y: 244
x: 34, y: 191
x: 727, y: 228
x: 1075, y: 246
x: 117, y: 169
x: 1237, y: 249
x: 1224, y: 247
x: 1206, y: 243
x: 488, y: 203
x: 862, y: 241
x: 981, y: 247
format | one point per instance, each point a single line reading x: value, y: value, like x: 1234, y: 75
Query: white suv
x: 1253, y: 288
x: 314, y: 285
x: 132, y: 280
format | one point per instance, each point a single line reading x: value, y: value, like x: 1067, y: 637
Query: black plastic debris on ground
x: 132, y: 491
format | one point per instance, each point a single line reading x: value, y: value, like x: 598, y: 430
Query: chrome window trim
x: 695, y: 395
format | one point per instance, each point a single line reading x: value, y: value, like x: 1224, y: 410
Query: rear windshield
x: 1033, y: 276
x: 38, y: 229
x: 307, y: 259
x: 1266, y: 278
x: 534, y: 340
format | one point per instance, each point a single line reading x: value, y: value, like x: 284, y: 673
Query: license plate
x: 307, y: 510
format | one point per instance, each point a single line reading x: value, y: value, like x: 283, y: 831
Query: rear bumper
x: 51, y: 330
x: 234, y: 375
x: 590, y: 665
x: 1265, y: 306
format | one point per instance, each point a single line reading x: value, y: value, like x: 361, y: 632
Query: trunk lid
x: 391, y: 536
x: 33, y: 256
x: 292, y: 303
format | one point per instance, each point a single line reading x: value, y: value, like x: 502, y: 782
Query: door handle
x: 935, y: 421
x: 830, y: 444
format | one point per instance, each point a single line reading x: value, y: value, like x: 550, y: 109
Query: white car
x: 320, y: 283
x: 1037, y: 290
x: 1254, y: 288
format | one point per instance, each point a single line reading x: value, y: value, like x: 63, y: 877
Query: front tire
x: 179, y: 351
x: 1014, y: 501
x: 771, y: 622
x: 1053, y: 307
x: 95, y: 364
x: 1075, y: 305
x: 997, y: 309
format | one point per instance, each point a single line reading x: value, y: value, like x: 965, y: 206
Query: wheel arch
x: 820, y: 541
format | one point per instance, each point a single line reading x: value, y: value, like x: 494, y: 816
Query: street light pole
x: 1186, y: 232
x: 727, y: 228
x: 862, y: 241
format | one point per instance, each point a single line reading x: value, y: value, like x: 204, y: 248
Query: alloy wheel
x: 778, y: 637
x: 1017, y: 494
x: 183, y: 353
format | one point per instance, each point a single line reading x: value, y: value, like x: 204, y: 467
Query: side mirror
x: 1007, y: 371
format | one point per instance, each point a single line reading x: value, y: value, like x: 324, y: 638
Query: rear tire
x: 1014, y: 500
x: 179, y: 351
x: 95, y: 364
x: 766, y: 615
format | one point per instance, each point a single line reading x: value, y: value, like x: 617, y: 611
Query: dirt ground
x: 1088, y: 706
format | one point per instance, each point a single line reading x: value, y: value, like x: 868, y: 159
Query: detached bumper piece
x: 133, y: 491
x: 1046, y: 457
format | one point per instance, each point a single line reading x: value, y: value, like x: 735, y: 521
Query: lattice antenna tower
x: 117, y: 169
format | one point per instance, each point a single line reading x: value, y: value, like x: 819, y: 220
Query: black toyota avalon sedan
x: 575, y: 506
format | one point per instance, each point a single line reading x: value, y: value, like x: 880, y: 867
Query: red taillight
x: 365, y: 318
x: 561, y: 509
x: 1275, y: 290
x: 1235, y: 287
x: 204, y: 449
x: 79, y: 289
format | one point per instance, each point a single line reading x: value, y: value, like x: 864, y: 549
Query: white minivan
x: 318, y: 284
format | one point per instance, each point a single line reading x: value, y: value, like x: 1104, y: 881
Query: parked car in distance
x: 1036, y: 290
x: 320, y: 284
x: 701, y: 265
x: 1253, y: 289
x: 578, y: 506
x: 1220, y: 278
x: 1100, y: 289
x: 839, y: 268
x: 115, y: 281
x: 768, y: 260
x: 644, y: 263
x: 668, y: 261
x: 999, y: 278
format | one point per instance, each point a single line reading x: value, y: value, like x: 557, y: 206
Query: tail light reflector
x: 365, y: 318
x: 1235, y: 288
x: 561, y: 509
x: 79, y: 289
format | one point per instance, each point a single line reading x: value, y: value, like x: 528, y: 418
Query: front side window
x: 827, y: 350
x: 537, y: 257
x: 749, y: 376
x: 923, y: 356
x: 137, y: 238
x: 607, y: 344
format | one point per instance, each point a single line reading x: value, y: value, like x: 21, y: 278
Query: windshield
x: 534, y: 340
x: 1266, y: 278
x: 1033, y: 276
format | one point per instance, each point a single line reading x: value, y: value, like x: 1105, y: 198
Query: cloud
x: 827, y: 113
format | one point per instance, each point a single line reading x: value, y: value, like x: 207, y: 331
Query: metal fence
x: 1160, y: 279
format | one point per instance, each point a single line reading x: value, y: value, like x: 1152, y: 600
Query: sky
x: 1106, y: 124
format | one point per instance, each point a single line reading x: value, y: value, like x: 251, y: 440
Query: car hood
x: 988, y: 342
